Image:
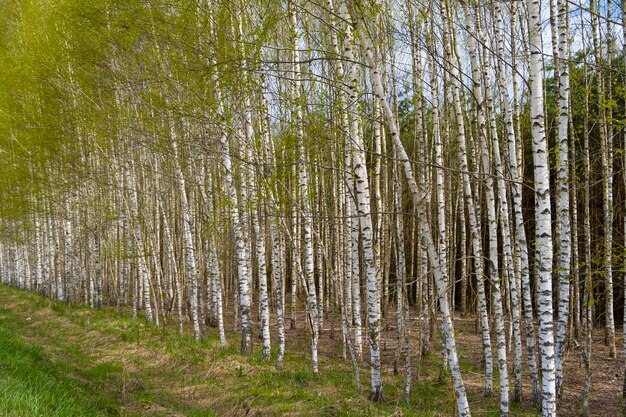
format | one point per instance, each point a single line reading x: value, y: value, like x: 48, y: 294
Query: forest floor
x: 68, y: 360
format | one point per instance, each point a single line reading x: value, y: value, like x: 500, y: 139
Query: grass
x: 69, y: 360
x: 33, y: 386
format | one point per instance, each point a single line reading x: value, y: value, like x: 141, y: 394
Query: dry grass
x: 150, y: 371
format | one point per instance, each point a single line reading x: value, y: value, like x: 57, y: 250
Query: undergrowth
x: 58, y: 359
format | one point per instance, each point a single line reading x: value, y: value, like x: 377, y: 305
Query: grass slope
x: 68, y: 360
x: 32, y: 386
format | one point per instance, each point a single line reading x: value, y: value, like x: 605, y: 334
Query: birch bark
x: 563, y: 185
x: 543, y: 232
x: 418, y: 197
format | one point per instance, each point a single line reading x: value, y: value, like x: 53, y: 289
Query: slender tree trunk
x: 418, y: 197
x: 304, y: 190
x: 365, y: 222
x: 543, y: 233
x: 133, y: 211
x: 563, y: 207
x: 475, y: 231
x: 191, y: 261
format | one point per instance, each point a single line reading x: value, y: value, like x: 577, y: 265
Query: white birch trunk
x: 307, y: 227
x: 563, y: 207
x: 516, y: 194
x: 491, y: 211
x: 543, y: 232
x: 475, y: 227
x: 191, y: 261
x: 259, y: 230
x: 133, y: 210
x: 419, y: 198
x: 365, y: 221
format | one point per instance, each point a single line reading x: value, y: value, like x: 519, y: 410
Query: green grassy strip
x: 30, y: 385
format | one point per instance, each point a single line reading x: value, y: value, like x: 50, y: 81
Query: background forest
x: 370, y: 175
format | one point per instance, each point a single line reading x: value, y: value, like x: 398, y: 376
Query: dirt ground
x: 606, y: 380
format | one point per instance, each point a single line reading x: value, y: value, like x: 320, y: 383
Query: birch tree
x: 543, y: 233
